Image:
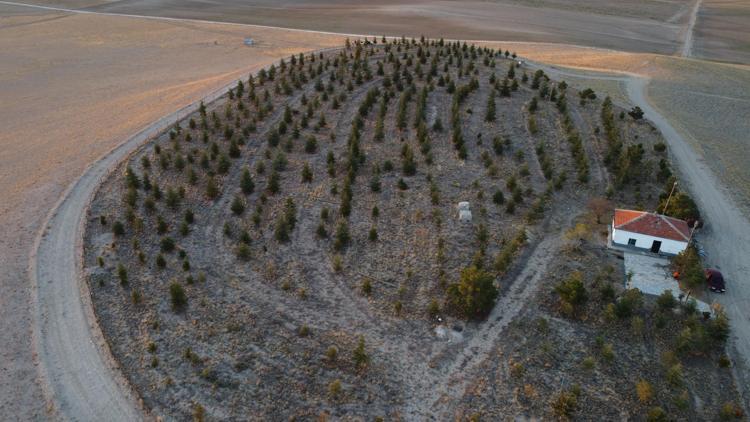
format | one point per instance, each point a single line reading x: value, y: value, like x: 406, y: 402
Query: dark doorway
x: 656, y: 246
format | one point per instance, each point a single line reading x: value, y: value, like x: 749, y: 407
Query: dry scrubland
x: 71, y: 88
x: 707, y: 102
x: 293, y: 250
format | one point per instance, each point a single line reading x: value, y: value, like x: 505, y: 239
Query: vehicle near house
x: 715, y: 280
x: 655, y: 233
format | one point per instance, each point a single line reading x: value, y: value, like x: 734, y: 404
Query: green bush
x: 118, y: 229
x: 177, y: 296
x: 342, y: 237
x: 246, y: 182
x: 238, y: 206
x: 167, y: 244
x: 360, y: 357
x: 572, y: 293
x: 475, y: 293
x: 122, y: 274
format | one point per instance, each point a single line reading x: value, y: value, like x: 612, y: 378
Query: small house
x: 651, y: 232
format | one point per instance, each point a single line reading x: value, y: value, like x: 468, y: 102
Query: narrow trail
x: 687, y: 37
x: 454, y: 379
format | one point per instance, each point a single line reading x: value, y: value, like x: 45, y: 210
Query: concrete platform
x: 651, y: 275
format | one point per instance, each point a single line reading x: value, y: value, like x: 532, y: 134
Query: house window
x: 631, y: 242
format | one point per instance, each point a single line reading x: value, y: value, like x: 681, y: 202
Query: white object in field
x: 249, y: 41
x: 463, y: 206
x: 464, y: 216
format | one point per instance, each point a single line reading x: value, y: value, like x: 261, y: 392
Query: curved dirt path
x: 81, y: 379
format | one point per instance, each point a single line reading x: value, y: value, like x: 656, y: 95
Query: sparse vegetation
x: 320, y: 198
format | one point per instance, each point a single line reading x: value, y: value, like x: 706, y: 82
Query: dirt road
x: 81, y: 378
x: 687, y: 38
x: 726, y: 237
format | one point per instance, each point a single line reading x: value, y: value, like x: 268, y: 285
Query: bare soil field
x: 71, y: 88
x: 294, y: 250
x: 722, y: 31
x: 646, y: 26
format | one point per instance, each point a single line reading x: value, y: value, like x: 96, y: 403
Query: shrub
x: 666, y: 301
x: 304, y: 330
x: 167, y: 244
x: 644, y: 391
x: 334, y: 389
x: 730, y: 410
x: 498, y: 198
x: 342, y: 237
x: 366, y: 286
x: 331, y: 354
x: 588, y: 363
x: 246, y: 182
x: 674, y: 375
x: 118, y: 229
x: 273, y: 183
x: 636, y: 113
x: 311, y: 145
x: 177, y: 296
x: 628, y: 303
x: 373, y: 235
x: 243, y: 252
x: 565, y: 404
x: 321, y: 231
x: 656, y: 414
x: 212, y: 189
x: 688, y: 264
x: 608, y: 352
x: 409, y: 166
x: 238, y: 206
x: 122, y: 274
x: 307, y: 174
x: 160, y: 261
x: 338, y: 263
x: 475, y: 293
x: 360, y: 356
x: 572, y: 292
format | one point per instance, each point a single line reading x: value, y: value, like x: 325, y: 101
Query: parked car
x: 715, y: 281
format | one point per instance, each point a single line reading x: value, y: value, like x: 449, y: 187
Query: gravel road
x: 726, y: 237
x: 80, y: 377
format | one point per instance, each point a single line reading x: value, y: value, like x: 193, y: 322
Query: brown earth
x: 71, y: 88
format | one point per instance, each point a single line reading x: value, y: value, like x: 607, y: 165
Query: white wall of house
x: 642, y: 241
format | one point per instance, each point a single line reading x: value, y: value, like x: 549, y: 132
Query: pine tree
x: 246, y: 182
x: 307, y: 174
x: 490, y: 116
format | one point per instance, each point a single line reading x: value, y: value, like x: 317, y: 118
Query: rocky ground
x: 288, y: 252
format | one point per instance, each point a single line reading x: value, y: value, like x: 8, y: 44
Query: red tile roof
x: 652, y: 224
